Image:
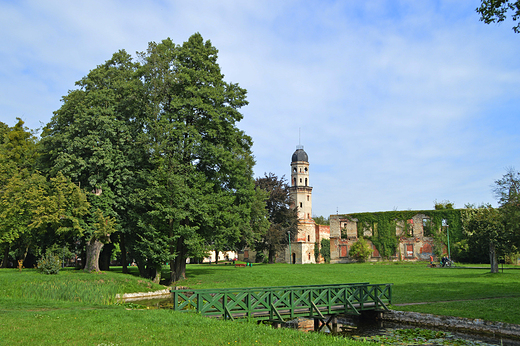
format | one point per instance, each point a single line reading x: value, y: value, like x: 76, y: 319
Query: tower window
x: 308, y: 238
x: 294, y: 170
x: 301, y: 205
x: 305, y: 169
x: 300, y: 180
x: 307, y: 198
x: 305, y: 181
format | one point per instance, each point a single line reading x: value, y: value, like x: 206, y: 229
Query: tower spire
x: 299, y: 146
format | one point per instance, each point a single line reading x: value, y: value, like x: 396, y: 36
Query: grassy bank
x: 78, y: 308
x: 37, y: 309
x: 79, y: 324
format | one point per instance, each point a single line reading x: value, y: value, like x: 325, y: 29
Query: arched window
x: 305, y: 181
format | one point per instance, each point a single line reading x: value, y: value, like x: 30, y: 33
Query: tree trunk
x: 155, y: 274
x: 178, y: 272
x: 493, y: 258
x: 271, y: 254
x: 141, y: 265
x: 105, y: 256
x: 24, y: 255
x: 171, y: 279
x: 5, y: 258
x: 93, y: 250
x: 124, y: 262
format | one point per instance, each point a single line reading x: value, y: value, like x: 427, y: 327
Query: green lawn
x: 413, y: 282
x: 78, y: 308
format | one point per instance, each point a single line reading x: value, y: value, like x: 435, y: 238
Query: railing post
x: 248, y: 304
x: 329, y: 302
x: 291, y: 302
x: 200, y: 302
x: 310, y: 302
x: 175, y: 300
x: 270, y: 302
x: 224, y: 305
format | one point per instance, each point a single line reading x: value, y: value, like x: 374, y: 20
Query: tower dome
x: 300, y: 154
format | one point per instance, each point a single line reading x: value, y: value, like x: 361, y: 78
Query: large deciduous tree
x: 199, y: 188
x: 91, y: 140
x: 485, y: 225
x: 156, y: 146
x: 496, y: 11
x: 282, y: 218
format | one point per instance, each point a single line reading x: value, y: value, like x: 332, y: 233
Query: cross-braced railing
x: 277, y: 303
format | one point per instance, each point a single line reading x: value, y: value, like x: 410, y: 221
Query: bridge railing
x: 277, y: 303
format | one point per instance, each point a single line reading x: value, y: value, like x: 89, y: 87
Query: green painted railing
x: 277, y: 303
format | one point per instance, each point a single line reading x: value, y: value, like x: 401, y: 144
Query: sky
x: 397, y: 103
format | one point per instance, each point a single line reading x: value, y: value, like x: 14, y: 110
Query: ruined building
x: 415, y: 241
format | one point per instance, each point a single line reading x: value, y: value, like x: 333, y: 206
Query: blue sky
x: 399, y: 103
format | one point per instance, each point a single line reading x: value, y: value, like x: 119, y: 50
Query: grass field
x: 413, y: 283
x: 78, y: 308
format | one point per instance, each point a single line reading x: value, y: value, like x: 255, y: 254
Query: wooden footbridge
x: 277, y: 304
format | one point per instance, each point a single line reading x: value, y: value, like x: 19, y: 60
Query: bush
x: 360, y: 250
x: 49, y: 264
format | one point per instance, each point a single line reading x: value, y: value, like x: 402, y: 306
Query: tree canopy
x: 496, y: 11
x: 155, y: 145
x: 484, y: 224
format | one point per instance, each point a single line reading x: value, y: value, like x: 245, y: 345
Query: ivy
x: 325, y: 249
x: 384, y: 225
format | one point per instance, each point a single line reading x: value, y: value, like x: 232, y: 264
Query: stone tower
x: 302, y: 248
x: 301, y: 191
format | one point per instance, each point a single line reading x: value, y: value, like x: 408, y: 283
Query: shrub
x: 360, y: 250
x: 49, y: 264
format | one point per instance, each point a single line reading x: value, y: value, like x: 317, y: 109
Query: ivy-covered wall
x: 387, y: 229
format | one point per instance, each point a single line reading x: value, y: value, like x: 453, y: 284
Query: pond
x: 383, y: 332
x: 392, y: 333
